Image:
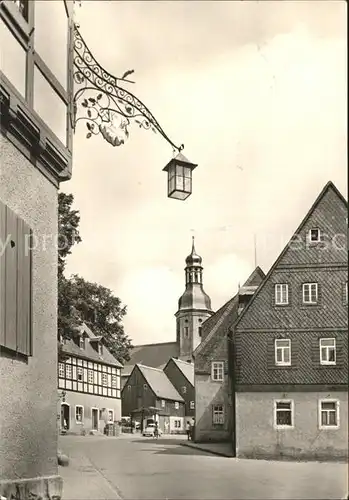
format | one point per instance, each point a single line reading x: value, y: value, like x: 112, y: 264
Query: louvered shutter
x: 15, y: 283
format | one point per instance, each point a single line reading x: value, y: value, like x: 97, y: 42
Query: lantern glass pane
x: 172, y: 171
x: 187, y: 185
x: 179, y: 170
x: 51, y: 37
x: 171, y: 185
x: 187, y: 172
x: 50, y: 107
x: 180, y: 183
x: 13, y: 59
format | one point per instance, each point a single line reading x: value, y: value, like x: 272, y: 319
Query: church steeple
x: 194, y: 306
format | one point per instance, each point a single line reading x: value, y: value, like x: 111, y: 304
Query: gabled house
x: 88, y: 384
x: 289, y: 347
x: 212, y: 392
x: 149, y: 388
x: 154, y: 355
x: 181, y: 375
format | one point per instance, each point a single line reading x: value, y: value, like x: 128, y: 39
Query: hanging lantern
x: 179, y: 177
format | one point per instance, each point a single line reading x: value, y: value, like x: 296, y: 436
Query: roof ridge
x: 217, y: 325
x: 156, y: 343
x: 328, y: 185
x: 150, y: 367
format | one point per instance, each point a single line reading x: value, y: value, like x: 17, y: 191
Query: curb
x: 213, y: 452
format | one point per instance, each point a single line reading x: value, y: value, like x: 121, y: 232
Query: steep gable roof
x: 70, y: 347
x: 329, y: 189
x: 159, y: 383
x: 186, y: 368
x: 154, y: 355
x: 228, y: 309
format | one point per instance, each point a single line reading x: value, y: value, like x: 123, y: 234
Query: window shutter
x: 24, y: 289
x: 15, y: 282
x: 11, y: 280
x: 270, y: 352
x: 2, y: 271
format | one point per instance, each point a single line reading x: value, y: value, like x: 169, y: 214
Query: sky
x: 257, y: 92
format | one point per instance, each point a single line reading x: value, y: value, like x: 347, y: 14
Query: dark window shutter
x: 24, y: 289
x: 2, y: 271
x: 270, y: 353
x: 15, y: 282
x: 11, y: 280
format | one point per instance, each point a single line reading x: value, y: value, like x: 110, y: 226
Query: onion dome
x: 193, y: 259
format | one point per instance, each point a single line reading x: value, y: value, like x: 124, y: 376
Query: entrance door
x: 65, y: 416
x: 95, y: 419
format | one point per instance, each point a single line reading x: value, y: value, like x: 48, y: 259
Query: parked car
x: 150, y: 430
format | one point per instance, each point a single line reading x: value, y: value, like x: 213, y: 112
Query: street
x: 143, y: 468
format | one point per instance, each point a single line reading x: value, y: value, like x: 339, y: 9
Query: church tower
x: 194, y: 307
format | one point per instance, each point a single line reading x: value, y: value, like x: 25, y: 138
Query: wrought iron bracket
x: 100, y: 101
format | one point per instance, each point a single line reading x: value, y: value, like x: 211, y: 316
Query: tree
x: 81, y: 301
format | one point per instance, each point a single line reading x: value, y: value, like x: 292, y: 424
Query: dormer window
x: 100, y: 349
x: 82, y: 342
x: 314, y: 235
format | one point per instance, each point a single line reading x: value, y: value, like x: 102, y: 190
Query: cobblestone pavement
x: 143, y: 468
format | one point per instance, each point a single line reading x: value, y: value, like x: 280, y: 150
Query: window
x: 310, y: 293
x: 281, y: 294
x: 283, y: 352
x: 346, y: 293
x: 218, y: 414
x: 82, y: 342
x: 100, y: 349
x: 328, y: 414
x: 145, y: 387
x: 68, y: 371
x: 192, y: 405
x: 113, y: 381
x: 200, y: 331
x: 110, y: 416
x: 177, y: 424
x: 176, y: 405
x: 162, y: 403
x: 104, y: 379
x: 90, y: 376
x: 217, y: 371
x: 16, y: 289
x: 184, y: 390
x: 128, y: 387
x: 61, y: 370
x: 80, y: 373
x: 314, y: 235
x: 283, y: 414
x: 327, y: 351
x: 79, y: 414
x: 186, y: 331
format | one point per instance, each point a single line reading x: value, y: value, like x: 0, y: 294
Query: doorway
x: 95, y: 413
x: 65, y: 416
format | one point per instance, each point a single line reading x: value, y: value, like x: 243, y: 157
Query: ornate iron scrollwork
x: 107, y: 108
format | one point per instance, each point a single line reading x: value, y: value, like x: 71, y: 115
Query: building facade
x: 213, y: 403
x: 36, y: 155
x: 181, y: 375
x: 290, y: 345
x: 149, y: 393
x: 88, y: 384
